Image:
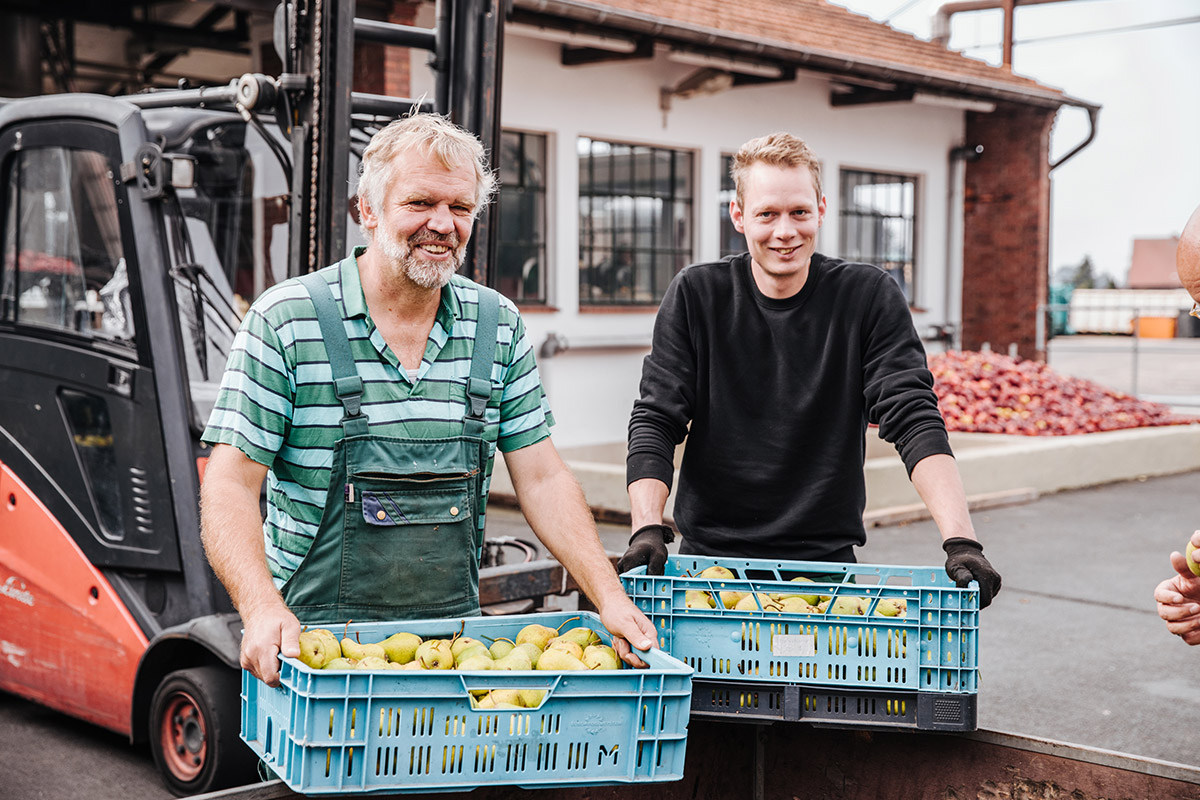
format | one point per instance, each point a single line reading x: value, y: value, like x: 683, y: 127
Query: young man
x: 1178, y: 597
x: 772, y: 363
x: 372, y: 396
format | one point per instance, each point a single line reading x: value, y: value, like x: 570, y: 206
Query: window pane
x: 635, y: 221
x: 92, y: 432
x: 732, y: 242
x: 878, y: 223
x: 64, y: 266
x: 521, y: 217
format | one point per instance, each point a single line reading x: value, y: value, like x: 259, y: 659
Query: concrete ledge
x: 993, y: 467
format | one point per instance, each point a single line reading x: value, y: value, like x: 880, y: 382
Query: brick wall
x: 1006, y: 235
x: 379, y: 69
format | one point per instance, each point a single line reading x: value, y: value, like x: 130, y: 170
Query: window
x: 732, y: 242
x: 92, y: 432
x: 521, y: 217
x: 635, y: 221
x: 63, y: 264
x: 878, y: 223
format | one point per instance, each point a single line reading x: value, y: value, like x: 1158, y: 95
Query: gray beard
x: 426, y: 274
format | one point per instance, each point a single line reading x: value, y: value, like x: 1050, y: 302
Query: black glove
x: 965, y: 562
x: 647, y: 546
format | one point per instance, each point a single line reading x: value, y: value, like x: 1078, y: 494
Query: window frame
x: 541, y: 241
x: 913, y: 278
x: 683, y: 251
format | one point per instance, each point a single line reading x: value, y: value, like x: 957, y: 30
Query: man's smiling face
x: 780, y: 214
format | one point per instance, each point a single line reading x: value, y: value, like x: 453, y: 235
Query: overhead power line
x: 1167, y: 23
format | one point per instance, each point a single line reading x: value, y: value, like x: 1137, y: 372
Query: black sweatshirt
x: 778, y: 394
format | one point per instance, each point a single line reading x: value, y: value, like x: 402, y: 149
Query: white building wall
x: 592, y: 385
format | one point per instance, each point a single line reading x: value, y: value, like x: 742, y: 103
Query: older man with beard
x: 372, y: 396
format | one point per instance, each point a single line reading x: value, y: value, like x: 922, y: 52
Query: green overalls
x: 398, y: 538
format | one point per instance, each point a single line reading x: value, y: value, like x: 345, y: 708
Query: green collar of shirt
x: 356, y: 302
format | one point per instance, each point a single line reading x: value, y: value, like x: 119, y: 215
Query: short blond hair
x: 430, y: 134
x: 777, y: 149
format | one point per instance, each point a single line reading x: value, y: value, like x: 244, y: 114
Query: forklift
x: 136, y: 231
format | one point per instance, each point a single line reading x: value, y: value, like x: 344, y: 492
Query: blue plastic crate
x: 347, y: 732
x: 932, y: 647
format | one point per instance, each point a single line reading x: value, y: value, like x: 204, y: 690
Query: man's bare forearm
x: 940, y: 486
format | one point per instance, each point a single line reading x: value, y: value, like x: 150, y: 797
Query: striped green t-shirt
x: 277, y: 403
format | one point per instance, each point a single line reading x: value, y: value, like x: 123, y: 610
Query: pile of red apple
x: 988, y: 392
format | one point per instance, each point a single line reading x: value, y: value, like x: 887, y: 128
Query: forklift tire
x: 195, y: 718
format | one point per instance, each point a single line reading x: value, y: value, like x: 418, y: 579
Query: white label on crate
x: 794, y: 644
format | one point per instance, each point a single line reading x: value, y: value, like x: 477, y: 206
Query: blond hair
x: 430, y: 134
x: 777, y: 149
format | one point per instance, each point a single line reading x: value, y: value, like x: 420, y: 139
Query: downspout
x: 951, y: 333
x: 1093, y: 113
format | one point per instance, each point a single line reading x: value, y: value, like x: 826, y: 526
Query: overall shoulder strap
x: 346, y: 382
x: 483, y: 355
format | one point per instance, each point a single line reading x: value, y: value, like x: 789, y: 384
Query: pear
x: 1191, y: 561
x: 352, y: 648
x: 537, y: 634
x: 372, y: 662
x: 848, y: 605
x: 731, y: 599
x: 811, y: 599
x: 694, y: 598
x: 435, y: 654
x: 532, y: 651
x: 464, y: 653
x: 341, y: 663
x: 462, y: 643
x: 483, y: 702
x: 600, y: 656
x: 401, y: 647
x: 476, y: 662
x: 509, y: 696
x: 556, y: 660
x: 517, y: 660
x: 564, y: 644
x: 317, y: 650
x: 891, y: 607
x: 502, y: 647
x: 796, y: 604
x: 583, y: 636
x: 413, y: 665
x: 752, y: 602
x: 532, y: 698
x: 717, y: 572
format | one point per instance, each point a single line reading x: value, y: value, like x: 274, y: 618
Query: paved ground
x: 1164, y: 370
x: 1072, y: 649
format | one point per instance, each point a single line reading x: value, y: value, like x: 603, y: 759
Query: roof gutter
x: 811, y: 58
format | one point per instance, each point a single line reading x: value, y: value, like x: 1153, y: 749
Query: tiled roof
x: 812, y: 33
x: 1153, y: 265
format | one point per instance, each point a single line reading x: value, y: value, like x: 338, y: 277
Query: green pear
x: 848, y: 605
x: 694, y: 598
x: 532, y: 651
x: 483, y: 702
x: 532, y: 698
x: 1191, y: 562
x: 413, y: 665
x: 501, y: 647
x: 752, y: 602
x: 891, y: 607
x: 569, y: 646
x: 372, y: 662
x: 731, y: 599
x: 341, y: 663
x: 811, y: 599
x: 600, y: 656
x: 537, y: 634
x: 582, y: 636
x: 510, y: 696
x: 556, y: 660
x: 476, y: 662
x: 317, y: 650
x: 717, y: 572
x: 462, y: 643
x: 796, y: 604
x: 517, y: 660
x: 435, y: 654
x: 401, y: 647
x: 352, y: 648
x: 464, y: 653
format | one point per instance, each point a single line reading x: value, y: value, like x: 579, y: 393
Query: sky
x: 1140, y: 176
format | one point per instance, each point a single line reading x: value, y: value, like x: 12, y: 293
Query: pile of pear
x: 794, y: 603
x: 535, y: 647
